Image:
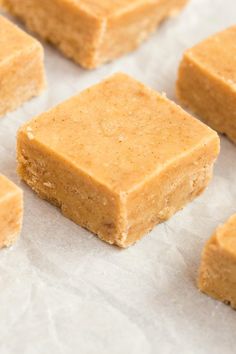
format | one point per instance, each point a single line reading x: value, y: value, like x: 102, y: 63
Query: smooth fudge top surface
x: 107, y: 8
x: 217, y: 54
x: 226, y: 235
x: 119, y: 132
x: 7, y: 188
x: 13, y: 40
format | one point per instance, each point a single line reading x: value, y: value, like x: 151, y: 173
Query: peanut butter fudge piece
x: 21, y: 67
x: 117, y: 159
x: 11, y: 211
x: 217, y: 275
x: 92, y: 32
x: 207, y: 81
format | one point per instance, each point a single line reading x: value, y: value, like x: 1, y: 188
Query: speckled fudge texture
x: 117, y: 159
x: 21, y: 67
x: 93, y: 32
x: 11, y: 212
x: 217, y: 275
x: 207, y: 81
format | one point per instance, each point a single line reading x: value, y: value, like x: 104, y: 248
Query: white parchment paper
x: 64, y: 291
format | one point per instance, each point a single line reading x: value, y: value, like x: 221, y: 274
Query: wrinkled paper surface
x: 64, y: 291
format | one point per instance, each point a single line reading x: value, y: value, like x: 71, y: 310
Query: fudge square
x: 207, y: 81
x: 117, y: 159
x: 217, y: 275
x: 92, y: 32
x: 11, y: 211
x: 21, y: 67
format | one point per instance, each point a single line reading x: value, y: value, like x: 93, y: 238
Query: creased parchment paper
x: 64, y: 291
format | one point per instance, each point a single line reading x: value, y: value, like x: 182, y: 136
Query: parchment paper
x: 64, y: 291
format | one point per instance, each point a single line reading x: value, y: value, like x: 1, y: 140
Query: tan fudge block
x: 11, y: 212
x: 21, y: 67
x: 93, y: 32
x: 117, y: 159
x: 217, y: 275
x: 207, y: 81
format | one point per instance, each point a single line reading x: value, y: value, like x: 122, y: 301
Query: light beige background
x: 64, y: 291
